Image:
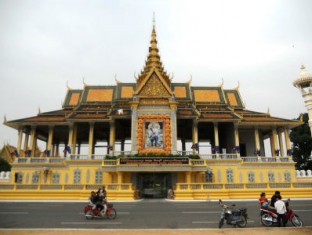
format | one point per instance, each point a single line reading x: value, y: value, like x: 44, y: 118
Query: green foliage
x: 5, y: 165
x: 302, y: 144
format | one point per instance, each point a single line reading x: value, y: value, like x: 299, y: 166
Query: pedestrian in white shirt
x: 280, y: 210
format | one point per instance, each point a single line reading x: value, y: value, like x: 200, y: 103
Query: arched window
x: 229, y: 176
x: 35, y: 177
x: 271, y: 177
x: 77, y: 176
x: 56, y: 178
x: 98, y: 176
x: 251, y: 177
x: 287, y: 176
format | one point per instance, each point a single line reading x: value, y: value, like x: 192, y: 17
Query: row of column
x: 275, y: 147
x: 72, y: 140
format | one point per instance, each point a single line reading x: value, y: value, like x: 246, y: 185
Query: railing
x: 250, y: 159
x: 79, y: 157
x: 60, y: 160
x: 234, y: 186
x: 69, y: 187
x: 185, y: 153
x: 120, y: 153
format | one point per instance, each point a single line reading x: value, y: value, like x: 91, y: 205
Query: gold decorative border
x: 141, y: 134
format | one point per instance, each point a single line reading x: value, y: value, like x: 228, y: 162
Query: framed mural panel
x: 154, y: 134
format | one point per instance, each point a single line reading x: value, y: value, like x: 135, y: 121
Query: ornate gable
x: 154, y: 87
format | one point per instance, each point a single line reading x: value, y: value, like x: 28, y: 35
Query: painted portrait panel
x: 154, y: 135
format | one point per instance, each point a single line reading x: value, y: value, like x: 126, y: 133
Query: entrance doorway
x: 154, y: 185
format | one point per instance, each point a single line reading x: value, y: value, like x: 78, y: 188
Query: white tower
x: 304, y: 83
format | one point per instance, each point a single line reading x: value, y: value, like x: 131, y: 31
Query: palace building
x: 146, y: 138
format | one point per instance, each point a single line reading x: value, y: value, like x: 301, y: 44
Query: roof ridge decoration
x: 153, y: 61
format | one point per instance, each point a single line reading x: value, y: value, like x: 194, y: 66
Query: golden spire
x: 153, y: 59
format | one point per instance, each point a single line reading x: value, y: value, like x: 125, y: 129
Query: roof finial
x: 236, y: 88
x: 268, y: 112
x: 4, y: 119
x: 83, y: 81
x: 153, y: 19
x: 39, y: 111
x: 68, y: 88
x: 135, y: 76
x: 189, y: 82
x: 116, y: 79
x: 222, y: 82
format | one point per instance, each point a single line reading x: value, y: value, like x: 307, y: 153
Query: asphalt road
x: 145, y: 214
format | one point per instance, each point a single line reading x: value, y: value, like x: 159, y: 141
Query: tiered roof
x: 205, y: 103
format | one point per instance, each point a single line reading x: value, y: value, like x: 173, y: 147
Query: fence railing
x: 66, y: 187
x: 55, y: 160
x: 212, y: 186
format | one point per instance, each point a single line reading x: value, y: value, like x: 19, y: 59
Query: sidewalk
x: 229, y: 231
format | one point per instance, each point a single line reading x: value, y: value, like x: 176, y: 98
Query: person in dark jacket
x: 274, y: 198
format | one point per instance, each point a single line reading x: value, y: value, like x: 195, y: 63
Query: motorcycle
x: 91, y: 213
x: 232, y: 216
x: 269, y: 216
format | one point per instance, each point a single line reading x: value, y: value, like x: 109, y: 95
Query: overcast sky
x: 45, y: 44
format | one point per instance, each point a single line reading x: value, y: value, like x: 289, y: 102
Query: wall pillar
x: 287, y: 141
x: 26, y: 143
x: 33, y: 141
x: 280, y: 141
x: 91, y: 136
x: 70, y: 136
x: 236, y: 138
x: 188, y: 177
x: 273, y: 142
x: 216, y: 137
x: 50, y: 139
x: 119, y: 177
x: 134, y: 125
x: 173, y: 120
x: 112, y: 136
x: 257, y: 140
x: 74, y: 144
x: 19, y: 141
x: 195, y: 134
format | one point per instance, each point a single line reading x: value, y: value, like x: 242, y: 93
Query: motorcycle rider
x: 280, y: 210
x: 263, y: 200
x: 92, y: 200
x: 273, y: 198
x: 101, y: 197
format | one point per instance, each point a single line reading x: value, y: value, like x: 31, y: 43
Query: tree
x: 302, y: 144
x: 4, y: 165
